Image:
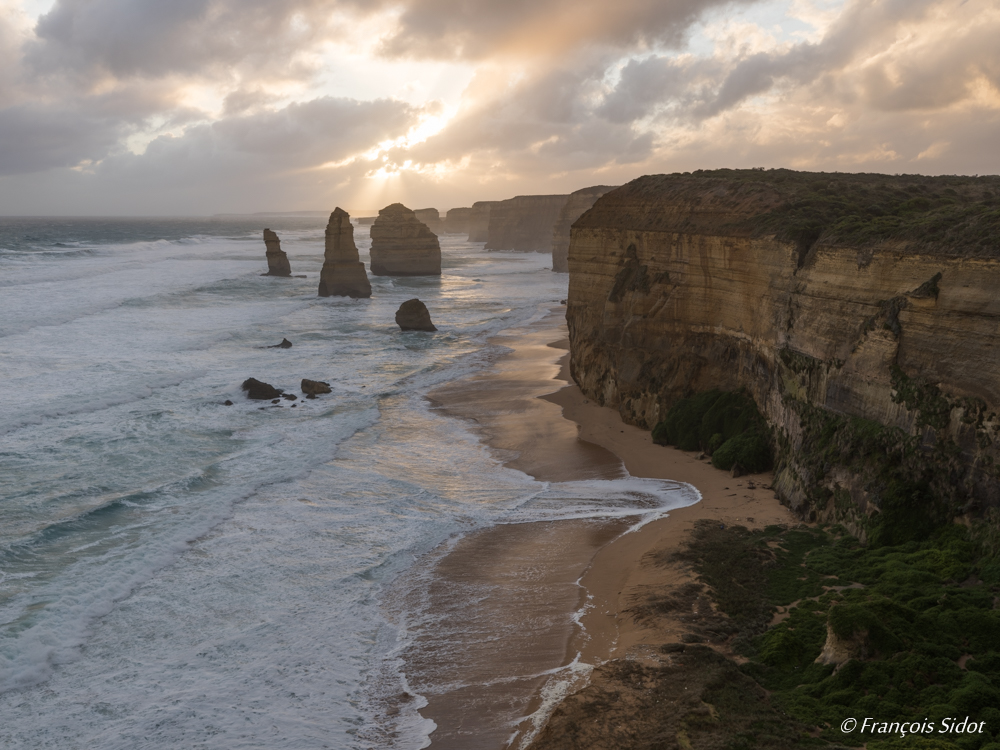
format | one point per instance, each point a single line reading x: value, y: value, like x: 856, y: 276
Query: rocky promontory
x: 858, y: 311
x: 402, y: 245
x: 456, y: 221
x: 524, y: 223
x: 343, y: 273
x: 575, y: 206
x: 479, y: 220
x: 277, y: 261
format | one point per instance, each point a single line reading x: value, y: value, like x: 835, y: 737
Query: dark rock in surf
x: 412, y: 315
x: 313, y: 387
x: 227, y: 402
x: 259, y: 391
x: 285, y: 344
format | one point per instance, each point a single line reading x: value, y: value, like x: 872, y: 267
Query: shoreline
x: 526, y: 409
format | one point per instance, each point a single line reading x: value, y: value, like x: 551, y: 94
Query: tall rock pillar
x: 343, y: 273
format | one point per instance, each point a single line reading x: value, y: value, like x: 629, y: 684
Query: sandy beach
x: 528, y: 411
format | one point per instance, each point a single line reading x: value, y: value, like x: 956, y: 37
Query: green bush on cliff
x: 919, y: 616
x: 726, y: 425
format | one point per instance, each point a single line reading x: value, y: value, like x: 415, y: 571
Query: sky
x: 195, y: 107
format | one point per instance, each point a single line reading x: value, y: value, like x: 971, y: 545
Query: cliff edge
x: 859, y: 311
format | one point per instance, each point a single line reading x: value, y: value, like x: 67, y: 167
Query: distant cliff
x: 574, y: 207
x: 861, y: 313
x: 456, y: 221
x: 479, y: 220
x: 524, y: 223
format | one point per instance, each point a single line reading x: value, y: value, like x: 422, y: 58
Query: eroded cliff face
x: 402, y: 245
x: 876, y: 365
x: 575, y: 206
x: 456, y: 221
x: 524, y: 223
x: 430, y: 218
x: 479, y: 220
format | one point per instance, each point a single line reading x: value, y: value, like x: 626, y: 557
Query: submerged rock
x: 285, y: 344
x: 402, y: 245
x: 412, y: 315
x: 343, y: 273
x: 277, y: 261
x: 313, y: 387
x: 260, y: 391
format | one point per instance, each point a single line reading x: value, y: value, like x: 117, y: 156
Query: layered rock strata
x: 430, y: 218
x: 402, y: 245
x: 859, y: 311
x: 343, y: 273
x: 575, y: 206
x: 525, y: 223
x: 479, y: 220
x: 277, y: 261
x: 412, y: 315
x: 456, y: 221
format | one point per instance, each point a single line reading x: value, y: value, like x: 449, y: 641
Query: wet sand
x: 510, y: 590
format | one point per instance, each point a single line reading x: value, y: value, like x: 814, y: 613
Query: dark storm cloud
x: 476, y: 29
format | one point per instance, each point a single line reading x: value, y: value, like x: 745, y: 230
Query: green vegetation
x: 727, y: 426
x: 953, y: 214
x: 916, y: 625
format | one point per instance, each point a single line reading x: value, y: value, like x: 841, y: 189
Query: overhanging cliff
x: 861, y: 312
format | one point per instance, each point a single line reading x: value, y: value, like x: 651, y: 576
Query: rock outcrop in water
x: 277, y: 261
x: 402, y: 245
x: 343, y: 274
x: 479, y: 220
x: 859, y: 311
x: 314, y: 387
x: 524, y: 223
x: 430, y: 218
x: 412, y: 315
x: 456, y: 221
x: 576, y: 205
x: 260, y: 391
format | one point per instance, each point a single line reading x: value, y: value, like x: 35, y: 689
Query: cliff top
x: 947, y: 214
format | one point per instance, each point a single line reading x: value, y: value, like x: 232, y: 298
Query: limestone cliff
x: 343, y: 273
x: 859, y: 311
x: 277, y: 261
x: 524, y: 223
x: 456, y: 221
x: 575, y: 206
x: 479, y: 220
x: 430, y: 218
x: 402, y: 245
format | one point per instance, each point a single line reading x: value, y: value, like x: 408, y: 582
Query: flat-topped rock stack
x: 430, y: 218
x: 479, y: 220
x: 343, y: 273
x: 456, y: 221
x: 402, y: 245
x: 525, y: 223
x: 277, y: 261
x: 576, y: 206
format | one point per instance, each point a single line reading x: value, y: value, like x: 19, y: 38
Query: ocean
x: 175, y: 572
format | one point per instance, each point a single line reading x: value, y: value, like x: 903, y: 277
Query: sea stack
x: 479, y: 220
x: 343, y: 273
x: 412, y: 315
x: 430, y: 218
x: 402, y: 245
x: 456, y: 221
x: 576, y: 205
x: 525, y: 223
x: 277, y: 261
